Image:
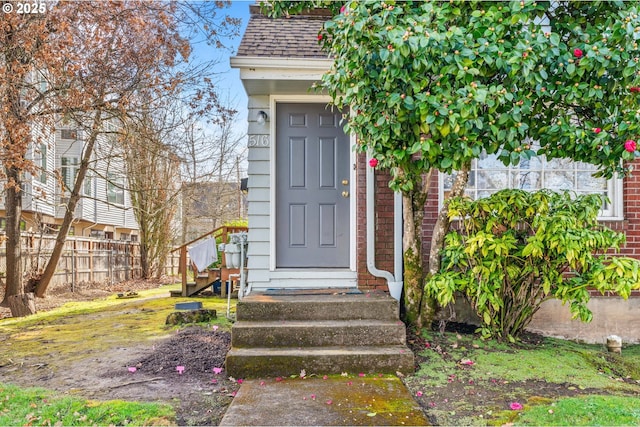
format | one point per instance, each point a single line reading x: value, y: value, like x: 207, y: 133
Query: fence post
x: 74, y: 267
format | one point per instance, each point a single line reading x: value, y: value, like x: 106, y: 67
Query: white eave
x: 269, y: 75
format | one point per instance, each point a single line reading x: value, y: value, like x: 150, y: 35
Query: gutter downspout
x: 394, y: 283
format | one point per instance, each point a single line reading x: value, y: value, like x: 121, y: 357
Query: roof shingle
x: 291, y: 37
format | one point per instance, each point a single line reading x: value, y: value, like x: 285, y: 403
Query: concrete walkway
x: 335, y: 401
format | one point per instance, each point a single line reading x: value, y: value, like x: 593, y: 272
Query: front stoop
x: 280, y: 335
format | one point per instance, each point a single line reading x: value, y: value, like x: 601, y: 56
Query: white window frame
x: 69, y: 167
x: 612, y: 211
x: 115, y: 189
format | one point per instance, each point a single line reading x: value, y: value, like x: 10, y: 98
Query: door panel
x: 312, y: 188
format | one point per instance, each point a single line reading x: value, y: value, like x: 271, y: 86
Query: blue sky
x: 230, y: 84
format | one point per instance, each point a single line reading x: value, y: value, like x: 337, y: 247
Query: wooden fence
x: 85, y: 260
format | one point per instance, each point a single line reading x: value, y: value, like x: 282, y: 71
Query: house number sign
x: 259, y: 141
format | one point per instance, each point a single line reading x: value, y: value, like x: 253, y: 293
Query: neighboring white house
x: 104, y: 210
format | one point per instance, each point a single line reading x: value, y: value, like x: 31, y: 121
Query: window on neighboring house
x: 115, y: 189
x: 69, y: 134
x: 488, y: 175
x: 43, y: 163
x: 88, y: 185
x: 69, y: 169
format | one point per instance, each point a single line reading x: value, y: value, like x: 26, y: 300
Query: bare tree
x: 95, y: 62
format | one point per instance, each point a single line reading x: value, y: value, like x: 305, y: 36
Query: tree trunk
x: 144, y: 257
x: 14, y: 281
x: 22, y: 304
x: 50, y: 268
x: 412, y: 259
x: 442, y: 224
x: 414, y: 262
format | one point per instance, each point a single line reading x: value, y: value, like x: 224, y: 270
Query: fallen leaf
x: 372, y: 414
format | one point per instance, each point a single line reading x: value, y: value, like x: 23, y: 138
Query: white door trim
x: 300, y: 273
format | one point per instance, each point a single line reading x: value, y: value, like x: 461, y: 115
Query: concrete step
x: 272, y: 362
x: 299, y: 333
x: 263, y: 307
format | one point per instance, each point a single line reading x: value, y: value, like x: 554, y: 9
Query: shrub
x: 510, y: 252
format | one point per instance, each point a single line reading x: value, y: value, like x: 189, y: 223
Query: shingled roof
x: 291, y: 37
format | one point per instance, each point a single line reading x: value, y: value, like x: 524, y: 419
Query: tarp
x: 203, y: 254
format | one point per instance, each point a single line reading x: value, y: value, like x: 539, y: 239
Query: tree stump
x: 22, y: 304
x: 191, y: 316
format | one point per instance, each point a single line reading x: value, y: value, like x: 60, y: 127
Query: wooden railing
x: 220, y: 232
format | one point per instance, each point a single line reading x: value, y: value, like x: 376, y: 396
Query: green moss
x: 131, y: 321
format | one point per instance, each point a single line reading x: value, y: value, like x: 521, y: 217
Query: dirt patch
x: 199, y: 394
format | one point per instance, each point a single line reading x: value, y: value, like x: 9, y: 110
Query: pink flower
x: 233, y: 394
x: 630, y: 145
x: 634, y: 89
x: 262, y: 383
x: 214, y: 381
x: 342, y: 9
x: 313, y: 397
x: 132, y: 369
x: 217, y: 370
x: 180, y: 369
x: 329, y: 402
x: 373, y: 163
x: 324, y: 377
x: 597, y: 130
x: 467, y: 362
x: 215, y: 327
x: 240, y: 381
x: 361, y: 374
x: 515, y: 406
x: 577, y: 53
x: 418, y: 393
x: 278, y: 379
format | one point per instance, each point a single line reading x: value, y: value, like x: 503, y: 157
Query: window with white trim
x: 71, y: 134
x: 115, y: 189
x: 488, y: 175
x: 43, y: 163
x: 69, y: 167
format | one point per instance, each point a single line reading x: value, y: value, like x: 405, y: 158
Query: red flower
x: 577, y: 53
x: 373, y: 163
x: 634, y: 89
x: 630, y: 145
x: 597, y: 130
x: 319, y: 37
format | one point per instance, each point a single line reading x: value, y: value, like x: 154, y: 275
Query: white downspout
x: 394, y: 283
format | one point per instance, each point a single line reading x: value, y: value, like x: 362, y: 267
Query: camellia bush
x: 514, y: 250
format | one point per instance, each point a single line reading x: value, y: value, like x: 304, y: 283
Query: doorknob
x: 345, y: 182
x: 345, y: 194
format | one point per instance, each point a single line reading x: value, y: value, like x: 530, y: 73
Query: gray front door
x: 312, y: 187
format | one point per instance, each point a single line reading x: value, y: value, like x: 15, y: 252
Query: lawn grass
x: 463, y: 380
x: 584, y: 411
x: 35, y: 406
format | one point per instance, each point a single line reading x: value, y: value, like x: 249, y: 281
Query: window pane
x: 489, y: 175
